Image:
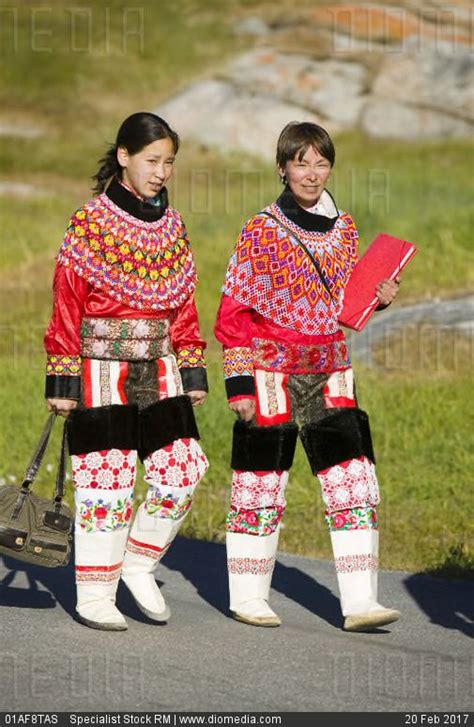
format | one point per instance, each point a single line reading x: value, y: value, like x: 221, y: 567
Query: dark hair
x: 136, y: 132
x: 297, y: 137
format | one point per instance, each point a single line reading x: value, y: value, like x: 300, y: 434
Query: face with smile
x: 148, y: 170
x: 306, y: 176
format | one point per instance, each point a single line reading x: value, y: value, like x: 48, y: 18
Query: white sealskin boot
x: 96, y: 608
x: 250, y: 562
x: 356, y: 560
x: 98, y: 565
x: 149, y: 539
x: 172, y: 474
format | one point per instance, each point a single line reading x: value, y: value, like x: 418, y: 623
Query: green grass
x: 420, y: 420
x: 111, y: 50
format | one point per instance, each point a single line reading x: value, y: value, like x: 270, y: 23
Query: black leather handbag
x: 32, y: 528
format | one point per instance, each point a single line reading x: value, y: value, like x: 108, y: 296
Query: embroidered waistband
x: 292, y: 358
x: 125, y: 339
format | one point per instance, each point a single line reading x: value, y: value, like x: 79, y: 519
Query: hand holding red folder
x: 385, y: 257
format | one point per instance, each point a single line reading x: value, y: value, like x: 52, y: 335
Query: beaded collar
x: 147, y: 265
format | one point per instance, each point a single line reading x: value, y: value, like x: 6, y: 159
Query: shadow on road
x: 447, y: 603
x: 316, y: 598
x: 204, y: 565
x: 57, y: 586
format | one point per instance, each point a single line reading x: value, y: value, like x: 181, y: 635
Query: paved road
x: 202, y: 660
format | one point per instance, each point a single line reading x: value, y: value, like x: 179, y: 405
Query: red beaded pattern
x: 271, y: 273
x: 145, y: 265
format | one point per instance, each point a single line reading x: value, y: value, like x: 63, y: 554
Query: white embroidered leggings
x: 104, y: 483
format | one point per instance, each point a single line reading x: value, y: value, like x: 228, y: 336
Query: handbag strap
x: 33, y: 467
x: 303, y: 247
x: 61, y: 473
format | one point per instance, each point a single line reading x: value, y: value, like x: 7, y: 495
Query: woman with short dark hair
x: 286, y: 363
x: 126, y: 365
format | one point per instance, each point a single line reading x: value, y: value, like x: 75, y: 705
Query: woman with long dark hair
x: 126, y: 366
x: 286, y: 363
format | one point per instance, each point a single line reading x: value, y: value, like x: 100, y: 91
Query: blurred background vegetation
x: 421, y: 413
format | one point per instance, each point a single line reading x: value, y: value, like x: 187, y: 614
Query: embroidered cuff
x: 237, y: 361
x: 190, y: 357
x: 57, y: 365
x: 194, y: 379
x: 240, y: 386
x: 63, y: 387
x: 63, y: 377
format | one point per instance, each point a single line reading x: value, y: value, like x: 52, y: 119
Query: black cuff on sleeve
x: 63, y: 387
x: 194, y: 379
x: 240, y: 386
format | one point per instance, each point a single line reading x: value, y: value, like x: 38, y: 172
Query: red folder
x: 385, y: 257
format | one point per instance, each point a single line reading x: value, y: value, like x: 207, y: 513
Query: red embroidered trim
x: 292, y: 358
x: 359, y: 562
x: 103, y: 382
x: 138, y: 544
x: 98, y: 573
x: 278, y: 412
x: 145, y: 549
x: 105, y: 568
x: 252, y: 566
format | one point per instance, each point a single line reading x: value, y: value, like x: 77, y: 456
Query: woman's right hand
x: 244, y: 408
x: 62, y: 406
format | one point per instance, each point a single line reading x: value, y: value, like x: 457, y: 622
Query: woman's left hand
x: 386, y: 290
x: 197, y: 397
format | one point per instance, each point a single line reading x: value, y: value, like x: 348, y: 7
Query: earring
x: 283, y: 179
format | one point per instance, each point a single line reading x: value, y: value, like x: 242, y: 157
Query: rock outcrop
x: 394, y: 72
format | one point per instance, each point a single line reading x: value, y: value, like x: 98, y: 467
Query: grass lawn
x: 420, y: 418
